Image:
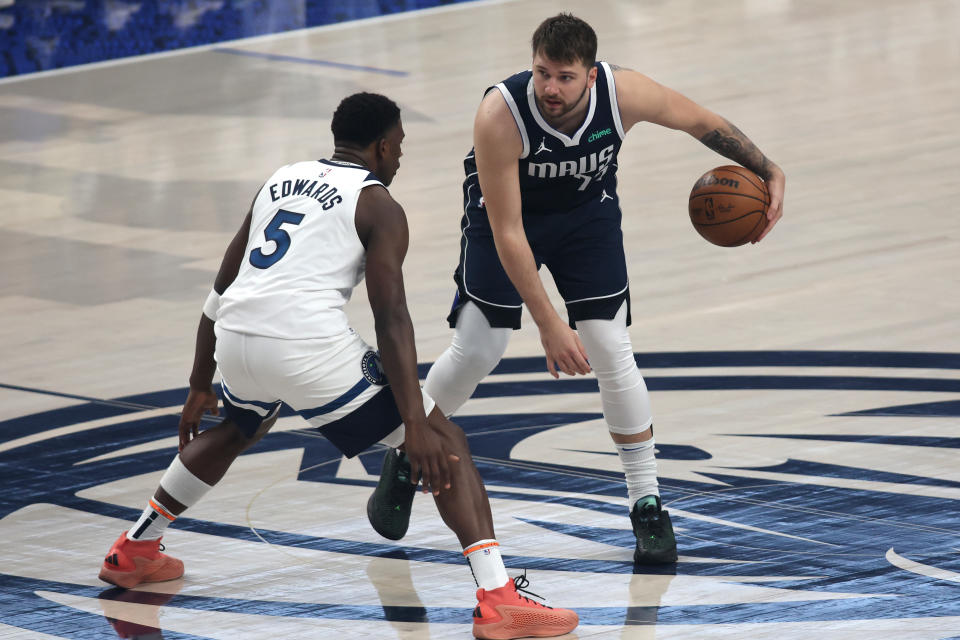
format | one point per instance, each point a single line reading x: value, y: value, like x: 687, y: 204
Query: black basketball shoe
x: 388, y: 508
x: 655, y: 541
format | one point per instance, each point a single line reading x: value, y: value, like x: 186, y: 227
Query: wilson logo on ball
x: 711, y: 179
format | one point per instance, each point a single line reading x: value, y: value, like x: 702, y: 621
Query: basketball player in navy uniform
x: 540, y: 190
x: 275, y: 328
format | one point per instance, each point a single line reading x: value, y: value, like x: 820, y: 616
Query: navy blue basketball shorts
x: 582, y: 248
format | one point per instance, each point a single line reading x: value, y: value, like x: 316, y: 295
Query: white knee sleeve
x: 623, y: 393
x: 475, y: 351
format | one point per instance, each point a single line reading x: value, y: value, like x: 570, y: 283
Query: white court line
x: 900, y: 562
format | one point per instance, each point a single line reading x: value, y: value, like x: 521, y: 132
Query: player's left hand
x: 199, y: 401
x: 775, y: 187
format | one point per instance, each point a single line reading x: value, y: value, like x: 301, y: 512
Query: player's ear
x: 381, y: 147
x: 591, y: 77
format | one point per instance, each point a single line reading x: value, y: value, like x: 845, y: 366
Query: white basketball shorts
x: 337, y: 384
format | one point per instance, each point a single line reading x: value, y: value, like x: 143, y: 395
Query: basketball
x: 728, y: 206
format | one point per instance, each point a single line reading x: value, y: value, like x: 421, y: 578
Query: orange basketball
x: 728, y: 206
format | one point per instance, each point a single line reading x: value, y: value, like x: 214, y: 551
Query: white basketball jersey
x: 303, y: 257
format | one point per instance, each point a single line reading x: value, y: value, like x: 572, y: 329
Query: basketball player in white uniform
x: 275, y: 328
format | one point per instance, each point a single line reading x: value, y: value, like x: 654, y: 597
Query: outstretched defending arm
x: 382, y: 228
x: 202, y: 397
x: 642, y: 99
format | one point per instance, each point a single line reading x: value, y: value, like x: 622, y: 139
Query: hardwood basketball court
x: 806, y: 390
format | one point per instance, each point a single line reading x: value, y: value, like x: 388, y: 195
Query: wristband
x: 212, y: 304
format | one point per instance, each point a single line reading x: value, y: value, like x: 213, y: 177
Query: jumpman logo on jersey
x: 543, y: 147
x: 604, y: 196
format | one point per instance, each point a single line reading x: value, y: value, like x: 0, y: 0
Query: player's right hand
x: 429, y: 459
x: 775, y: 187
x: 199, y: 401
x: 563, y: 349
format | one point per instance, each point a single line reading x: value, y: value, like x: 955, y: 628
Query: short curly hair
x: 566, y: 39
x: 362, y: 118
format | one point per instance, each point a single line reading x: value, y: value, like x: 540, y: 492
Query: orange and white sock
x: 486, y: 564
x: 152, y: 523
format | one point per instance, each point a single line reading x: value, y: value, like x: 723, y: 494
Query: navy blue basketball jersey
x: 560, y: 172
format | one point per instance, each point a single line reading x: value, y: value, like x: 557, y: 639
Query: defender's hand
x: 429, y: 458
x: 199, y: 401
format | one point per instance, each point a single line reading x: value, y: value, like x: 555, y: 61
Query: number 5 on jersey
x: 278, y: 236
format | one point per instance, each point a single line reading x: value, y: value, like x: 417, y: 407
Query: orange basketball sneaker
x: 503, y: 614
x: 132, y: 562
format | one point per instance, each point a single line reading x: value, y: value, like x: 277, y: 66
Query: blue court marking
x: 73, y: 396
x: 867, y: 607
x: 946, y: 409
x: 677, y: 359
x: 323, y: 63
x: 823, y: 470
x: 903, y: 441
x: 838, y: 534
x: 62, y: 621
x: 722, y: 382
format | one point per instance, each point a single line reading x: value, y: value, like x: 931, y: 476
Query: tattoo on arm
x: 617, y: 67
x: 732, y: 143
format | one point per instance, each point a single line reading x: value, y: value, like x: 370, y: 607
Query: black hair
x: 363, y: 118
x: 566, y: 38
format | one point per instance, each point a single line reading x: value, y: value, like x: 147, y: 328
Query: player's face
x: 559, y: 87
x: 391, y: 152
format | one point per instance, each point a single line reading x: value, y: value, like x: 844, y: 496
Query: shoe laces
x: 521, y: 583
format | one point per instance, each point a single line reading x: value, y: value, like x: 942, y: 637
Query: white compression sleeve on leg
x: 623, y: 393
x: 181, y: 485
x: 475, y: 351
x: 624, y: 398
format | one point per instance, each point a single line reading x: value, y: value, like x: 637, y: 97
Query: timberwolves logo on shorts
x: 372, y: 369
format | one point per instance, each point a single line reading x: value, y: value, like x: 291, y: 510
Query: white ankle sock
x: 486, y: 564
x: 152, y: 523
x: 640, y: 469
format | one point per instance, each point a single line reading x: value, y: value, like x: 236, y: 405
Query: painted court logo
x: 775, y: 525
